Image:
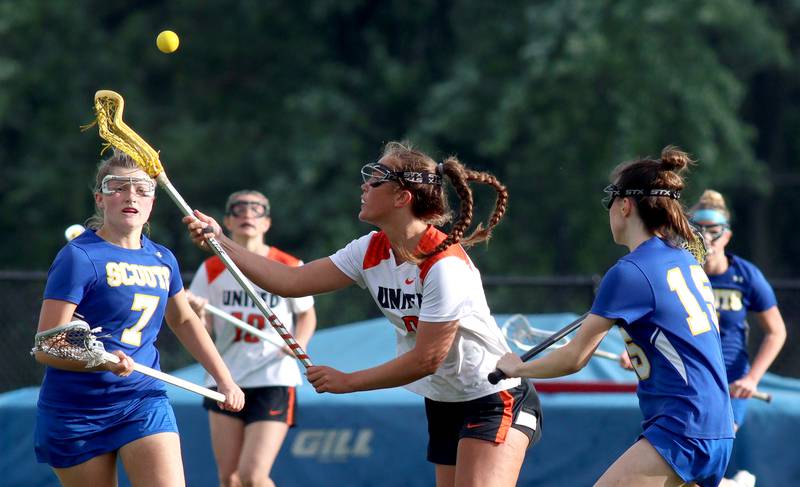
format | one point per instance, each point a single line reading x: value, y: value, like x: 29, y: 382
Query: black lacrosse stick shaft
x: 498, y: 374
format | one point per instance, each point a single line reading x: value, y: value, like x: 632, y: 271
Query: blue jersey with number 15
x: 663, y: 302
x: 123, y: 291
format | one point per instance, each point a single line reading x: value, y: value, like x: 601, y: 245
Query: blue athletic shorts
x: 739, y: 410
x: 693, y: 459
x: 66, y: 437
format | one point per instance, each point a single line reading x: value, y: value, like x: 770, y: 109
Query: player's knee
x: 229, y: 479
x: 255, y: 478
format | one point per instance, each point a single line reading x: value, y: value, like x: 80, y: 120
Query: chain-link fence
x: 21, y: 294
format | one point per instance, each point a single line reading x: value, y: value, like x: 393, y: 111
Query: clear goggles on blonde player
x: 710, y: 222
x: 112, y: 185
x: 375, y: 174
x: 239, y: 207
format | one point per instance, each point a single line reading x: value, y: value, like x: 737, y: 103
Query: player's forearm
x: 774, y: 328
x: 767, y: 353
x: 400, y: 371
x: 558, y: 363
x: 269, y: 275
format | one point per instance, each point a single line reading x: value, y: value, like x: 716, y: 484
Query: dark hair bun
x: 674, y: 159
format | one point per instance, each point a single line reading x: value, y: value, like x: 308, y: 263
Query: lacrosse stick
x: 523, y: 336
x: 762, y: 396
x: 498, y: 375
x: 272, y: 340
x: 697, y: 246
x: 108, y: 107
x: 74, y: 341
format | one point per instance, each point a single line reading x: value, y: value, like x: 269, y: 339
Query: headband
x: 715, y: 217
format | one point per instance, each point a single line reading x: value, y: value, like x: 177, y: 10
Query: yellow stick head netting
x: 108, y: 107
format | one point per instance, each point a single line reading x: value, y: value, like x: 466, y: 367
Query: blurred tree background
x: 291, y: 98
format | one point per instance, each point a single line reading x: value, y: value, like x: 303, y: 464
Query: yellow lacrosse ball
x: 167, y: 41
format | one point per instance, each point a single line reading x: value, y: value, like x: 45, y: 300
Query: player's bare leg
x: 262, y: 442
x: 640, y: 465
x: 100, y: 470
x: 482, y: 462
x: 154, y: 461
x: 445, y: 475
x: 227, y: 436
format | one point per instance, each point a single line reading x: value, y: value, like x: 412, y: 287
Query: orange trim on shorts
x: 508, y: 415
x: 290, y: 409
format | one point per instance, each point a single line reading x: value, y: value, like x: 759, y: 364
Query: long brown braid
x: 430, y: 201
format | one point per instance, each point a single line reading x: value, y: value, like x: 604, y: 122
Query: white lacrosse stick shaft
x: 604, y: 354
x: 170, y: 379
x: 270, y: 338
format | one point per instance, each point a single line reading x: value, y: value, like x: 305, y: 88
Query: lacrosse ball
x: 167, y: 41
x: 73, y: 231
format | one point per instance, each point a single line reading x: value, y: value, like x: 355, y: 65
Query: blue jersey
x: 739, y: 289
x: 663, y: 302
x: 124, y: 292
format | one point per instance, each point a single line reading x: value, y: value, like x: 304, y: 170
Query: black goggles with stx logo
x: 239, y: 207
x: 376, y: 174
x: 613, y: 191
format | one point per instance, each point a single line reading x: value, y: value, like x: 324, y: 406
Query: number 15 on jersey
x: 699, y: 317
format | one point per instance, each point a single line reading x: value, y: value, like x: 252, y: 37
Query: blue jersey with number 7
x: 663, y: 302
x: 123, y: 291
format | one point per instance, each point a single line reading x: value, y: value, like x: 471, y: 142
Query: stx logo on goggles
x: 375, y: 174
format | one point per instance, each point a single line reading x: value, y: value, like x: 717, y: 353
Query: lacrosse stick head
x: 524, y: 337
x: 108, y: 107
x: 71, y: 341
x: 697, y: 245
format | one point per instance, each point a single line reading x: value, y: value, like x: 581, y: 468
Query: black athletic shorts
x: 273, y: 403
x: 487, y: 418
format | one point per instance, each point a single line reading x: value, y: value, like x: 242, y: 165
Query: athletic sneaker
x: 745, y: 478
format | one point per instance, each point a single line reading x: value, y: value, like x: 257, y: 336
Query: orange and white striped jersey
x: 252, y: 362
x: 443, y: 288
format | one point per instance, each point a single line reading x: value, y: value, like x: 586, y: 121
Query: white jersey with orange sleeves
x: 443, y: 288
x: 252, y: 362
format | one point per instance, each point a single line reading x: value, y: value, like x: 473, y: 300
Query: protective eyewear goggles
x: 713, y: 231
x: 239, y: 208
x: 112, y: 185
x: 613, y: 191
x: 375, y: 174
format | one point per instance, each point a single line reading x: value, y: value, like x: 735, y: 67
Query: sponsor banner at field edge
x: 332, y: 445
